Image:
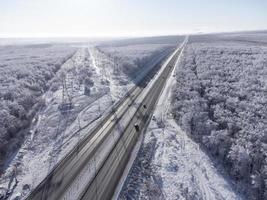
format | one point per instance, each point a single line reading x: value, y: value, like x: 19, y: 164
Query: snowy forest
x: 220, y: 99
x: 132, y: 56
x: 25, y: 74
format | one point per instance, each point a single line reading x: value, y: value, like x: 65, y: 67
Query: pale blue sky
x: 48, y: 18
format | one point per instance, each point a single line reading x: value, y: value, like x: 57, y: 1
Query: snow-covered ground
x: 170, y: 165
x: 55, y: 132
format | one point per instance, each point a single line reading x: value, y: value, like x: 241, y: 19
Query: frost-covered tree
x: 220, y: 99
x: 25, y: 74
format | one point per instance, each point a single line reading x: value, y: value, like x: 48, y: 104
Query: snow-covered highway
x: 103, y: 155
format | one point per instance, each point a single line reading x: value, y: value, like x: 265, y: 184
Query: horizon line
x: 126, y: 35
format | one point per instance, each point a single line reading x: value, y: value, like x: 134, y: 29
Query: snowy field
x: 84, y: 87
